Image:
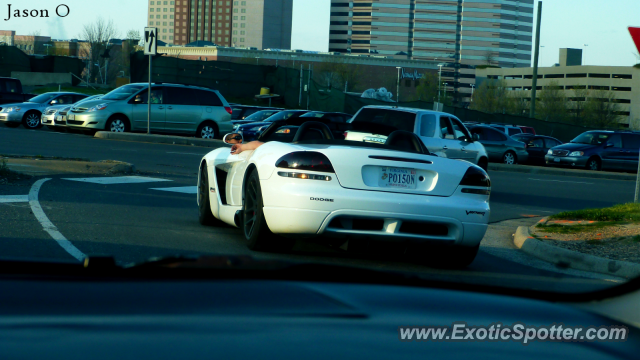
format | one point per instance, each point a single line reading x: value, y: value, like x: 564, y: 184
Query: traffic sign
x: 150, y: 41
x: 635, y: 35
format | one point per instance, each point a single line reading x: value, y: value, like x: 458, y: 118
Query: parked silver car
x: 55, y: 117
x: 442, y: 133
x: 29, y: 113
x: 178, y: 109
x: 500, y: 147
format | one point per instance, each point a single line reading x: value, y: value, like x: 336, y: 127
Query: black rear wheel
x: 255, y: 228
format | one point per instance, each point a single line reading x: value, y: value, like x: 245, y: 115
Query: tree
x: 577, y: 104
x: 428, y: 88
x: 489, y: 58
x: 519, y: 103
x: 97, y: 35
x: 490, y: 97
x: 601, y: 110
x: 553, y: 104
x: 337, y: 73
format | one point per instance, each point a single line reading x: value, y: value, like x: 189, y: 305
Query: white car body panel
x: 303, y: 207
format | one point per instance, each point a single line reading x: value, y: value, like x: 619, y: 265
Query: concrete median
x: 565, y: 258
x: 541, y: 170
x: 161, y: 139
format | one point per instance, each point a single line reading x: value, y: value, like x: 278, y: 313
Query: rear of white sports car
x: 377, y: 194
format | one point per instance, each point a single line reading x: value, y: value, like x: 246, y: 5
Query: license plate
x: 71, y: 117
x: 399, y: 178
x: 556, y: 159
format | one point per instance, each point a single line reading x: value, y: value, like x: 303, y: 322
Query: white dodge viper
x: 302, y: 182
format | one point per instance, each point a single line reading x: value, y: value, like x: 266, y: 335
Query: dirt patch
x: 615, y: 241
x: 9, y: 177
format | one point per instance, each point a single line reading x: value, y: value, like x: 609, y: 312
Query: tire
x: 509, y: 158
x: 207, y: 130
x: 117, y: 124
x: 204, y: 207
x: 11, y: 124
x: 594, y: 164
x: 31, y: 120
x: 484, y: 164
x: 254, y: 226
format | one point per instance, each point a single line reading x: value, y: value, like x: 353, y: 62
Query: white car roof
x: 408, y: 109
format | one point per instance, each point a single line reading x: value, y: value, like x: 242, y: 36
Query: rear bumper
x: 461, y: 219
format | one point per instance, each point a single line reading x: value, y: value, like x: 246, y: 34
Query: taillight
x: 228, y: 110
x: 345, y: 134
x: 475, y: 176
x: 305, y: 160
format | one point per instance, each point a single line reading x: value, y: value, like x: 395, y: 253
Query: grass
x: 77, y: 89
x: 565, y: 229
x: 629, y: 212
x: 636, y: 239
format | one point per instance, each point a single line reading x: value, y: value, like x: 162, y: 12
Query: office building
x: 162, y: 15
x: 247, y: 23
x: 570, y: 74
x: 459, y: 34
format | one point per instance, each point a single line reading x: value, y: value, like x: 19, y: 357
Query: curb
x: 119, y: 167
x: 561, y: 172
x: 572, y: 259
x: 161, y: 139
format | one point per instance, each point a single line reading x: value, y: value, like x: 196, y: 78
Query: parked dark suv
x: 598, y: 150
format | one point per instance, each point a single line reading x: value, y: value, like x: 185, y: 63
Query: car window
x: 44, y: 98
x: 427, y: 125
x: 459, y: 130
x: 631, y: 141
x: 498, y: 127
x: 401, y: 120
x: 494, y: 135
x: 142, y: 97
x: 123, y: 92
x: 537, y: 143
x: 283, y: 115
x: 513, y: 131
x: 551, y: 143
x: 446, y: 132
x: 77, y: 98
x: 261, y: 115
x: 10, y: 86
x: 178, y: 96
x: 313, y: 115
x: 616, y: 140
x: 208, y: 98
x: 64, y: 100
x: 482, y: 135
x: 591, y: 138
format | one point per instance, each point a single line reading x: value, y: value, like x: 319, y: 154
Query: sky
x: 601, y: 25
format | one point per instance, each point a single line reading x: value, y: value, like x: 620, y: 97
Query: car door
x: 494, y: 143
x: 450, y: 145
x: 536, y: 149
x: 158, y: 112
x: 631, y: 145
x: 183, y: 110
x: 469, y: 150
x: 613, y: 154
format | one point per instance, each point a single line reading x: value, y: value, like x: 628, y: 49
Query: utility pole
x: 534, y: 80
x: 398, y: 86
x: 309, y: 88
x: 439, y: 80
x: 301, y: 80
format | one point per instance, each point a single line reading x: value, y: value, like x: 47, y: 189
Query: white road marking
x: 182, y: 189
x: 183, y: 153
x: 570, y: 182
x: 48, y: 225
x: 117, y: 180
x: 14, y: 198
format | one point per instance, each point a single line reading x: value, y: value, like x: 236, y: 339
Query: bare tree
x: 578, y: 103
x: 97, y: 35
x: 601, y: 110
x: 519, y: 102
x: 553, y: 105
x: 338, y: 73
x: 490, y: 58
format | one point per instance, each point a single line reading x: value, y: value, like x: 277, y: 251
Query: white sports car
x: 304, y: 183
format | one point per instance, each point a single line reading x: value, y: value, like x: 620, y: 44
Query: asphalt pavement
x: 155, y: 214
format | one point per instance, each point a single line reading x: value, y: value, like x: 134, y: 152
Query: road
x: 157, y: 216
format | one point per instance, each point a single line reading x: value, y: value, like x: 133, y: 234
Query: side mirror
x: 608, y: 145
x: 53, y: 102
x: 233, y: 138
x: 138, y: 100
x: 476, y: 137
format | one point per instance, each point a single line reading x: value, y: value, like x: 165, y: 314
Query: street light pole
x: 439, y: 80
x: 257, y: 59
x: 398, y: 86
x: 472, y: 87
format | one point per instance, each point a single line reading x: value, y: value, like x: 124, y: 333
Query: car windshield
x: 416, y: 108
x: 591, y: 138
x: 44, y: 98
x: 260, y: 115
x: 123, y: 92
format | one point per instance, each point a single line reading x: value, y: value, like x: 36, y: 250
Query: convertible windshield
x: 591, y: 138
x: 44, y: 98
x: 123, y: 92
